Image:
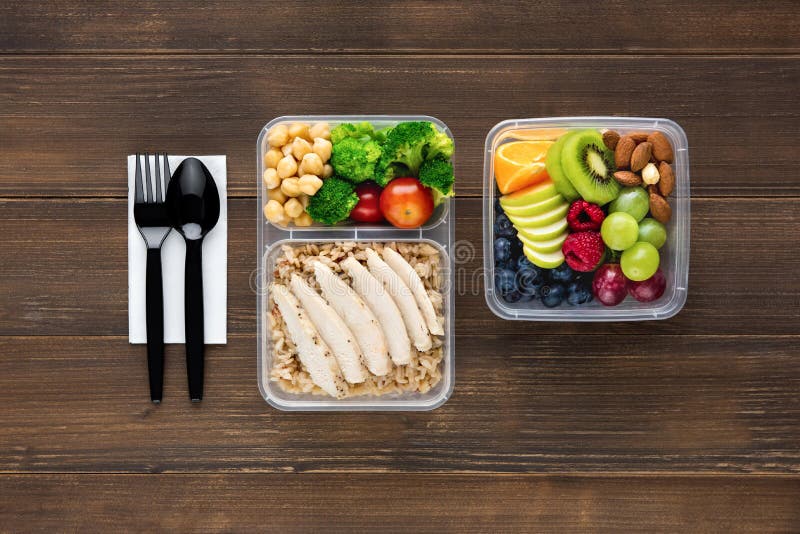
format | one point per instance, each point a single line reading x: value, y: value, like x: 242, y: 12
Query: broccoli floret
x: 409, y: 144
x: 437, y: 174
x: 333, y: 202
x: 355, y: 159
x: 362, y: 130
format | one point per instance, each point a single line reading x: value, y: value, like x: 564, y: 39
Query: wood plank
x: 408, y: 26
x: 357, y: 502
x: 68, y: 122
x: 64, y: 265
x: 544, y: 403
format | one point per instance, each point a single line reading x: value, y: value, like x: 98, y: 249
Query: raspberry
x: 583, y: 250
x: 584, y: 216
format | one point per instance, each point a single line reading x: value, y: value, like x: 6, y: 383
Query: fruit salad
x: 581, y: 216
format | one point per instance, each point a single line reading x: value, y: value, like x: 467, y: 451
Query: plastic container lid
x: 674, y: 253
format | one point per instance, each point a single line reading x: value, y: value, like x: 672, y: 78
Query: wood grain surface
x: 688, y: 424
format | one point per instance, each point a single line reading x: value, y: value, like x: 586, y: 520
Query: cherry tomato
x: 368, y: 208
x: 406, y: 203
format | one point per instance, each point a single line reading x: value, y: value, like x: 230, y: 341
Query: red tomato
x: 368, y: 208
x: 406, y: 203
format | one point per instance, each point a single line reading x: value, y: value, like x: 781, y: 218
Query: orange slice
x: 519, y: 164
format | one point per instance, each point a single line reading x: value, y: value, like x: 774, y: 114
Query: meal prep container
x: 438, y: 232
x: 674, y: 253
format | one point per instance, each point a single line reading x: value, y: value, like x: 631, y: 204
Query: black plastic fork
x: 150, y: 214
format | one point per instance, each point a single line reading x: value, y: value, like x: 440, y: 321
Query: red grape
x: 609, y: 284
x: 650, y: 289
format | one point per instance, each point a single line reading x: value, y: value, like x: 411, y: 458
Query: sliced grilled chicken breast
x: 407, y: 273
x: 314, y: 353
x: 358, y: 317
x: 384, y: 309
x: 401, y: 294
x: 332, y: 329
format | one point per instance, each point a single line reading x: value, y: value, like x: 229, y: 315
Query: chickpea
x: 272, y: 157
x: 278, y: 135
x: 277, y: 194
x: 287, y: 166
x: 290, y: 187
x: 311, y: 164
x: 303, y: 200
x: 287, y: 149
x: 299, y: 129
x: 300, y: 147
x: 309, y: 184
x: 320, y: 129
x: 271, y: 178
x: 322, y: 148
x: 304, y: 219
x: 327, y: 171
x: 293, y: 208
x: 273, y: 211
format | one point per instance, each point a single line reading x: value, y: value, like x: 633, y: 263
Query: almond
x: 623, y: 152
x: 639, y: 137
x: 667, y: 183
x: 628, y: 178
x: 641, y: 156
x: 660, y: 208
x: 611, y: 138
x: 662, y: 150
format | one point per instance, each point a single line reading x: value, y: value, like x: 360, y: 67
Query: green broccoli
x: 355, y: 159
x: 409, y: 144
x: 437, y: 174
x: 333, y: 202
x: 362, y: 130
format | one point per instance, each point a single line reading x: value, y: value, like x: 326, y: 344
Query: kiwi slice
x: 589, y: 165
x: 553, y: 164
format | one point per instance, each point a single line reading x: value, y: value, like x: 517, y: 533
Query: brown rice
x: 419, y: 376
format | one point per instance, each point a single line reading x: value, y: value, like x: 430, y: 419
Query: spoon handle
x: 193, y: 301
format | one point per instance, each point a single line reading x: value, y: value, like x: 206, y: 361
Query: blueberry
x: 552, y: 295
x: 505, y: 281
x: 529, y: 280
x: 512, y: 297
x: 578, y: 293
x: 503, y: 226
x: 502, y: 249
x: 523, y: 261
x: 562, y: 274
x: 497, y: 207
x: 523, y: 297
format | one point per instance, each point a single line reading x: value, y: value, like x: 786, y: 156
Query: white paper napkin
x: 173, y: 253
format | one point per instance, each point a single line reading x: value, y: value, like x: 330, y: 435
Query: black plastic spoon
x: 193, y: 209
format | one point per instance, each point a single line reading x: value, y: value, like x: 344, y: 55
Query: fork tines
x: 144, y: 188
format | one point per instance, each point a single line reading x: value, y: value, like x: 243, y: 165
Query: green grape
x: 653, y: 232
x: 639, y: 262
x: 632, y: 200
x: 619, y: 230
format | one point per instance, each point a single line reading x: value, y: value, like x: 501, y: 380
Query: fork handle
x: 193, y: 308
x: 155, y: 324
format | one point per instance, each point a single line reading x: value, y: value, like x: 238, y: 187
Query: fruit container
x: 437, y: 232
x: 674, y: 253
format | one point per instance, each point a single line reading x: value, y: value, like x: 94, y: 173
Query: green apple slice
x: 529, y: 195
x: 542, y: 219
x: 543, y: 233
x: 545, y: 260
x: 534, y: 209
x: 549, y: 245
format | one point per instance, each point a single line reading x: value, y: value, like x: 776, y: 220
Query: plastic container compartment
x: 674, y: 253
x: 438, y: 231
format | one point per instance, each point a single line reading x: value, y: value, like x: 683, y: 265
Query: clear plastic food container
x: 674, y: 253
x: 438, y: 232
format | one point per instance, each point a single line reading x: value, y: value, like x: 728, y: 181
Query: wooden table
x: 687, y: 424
